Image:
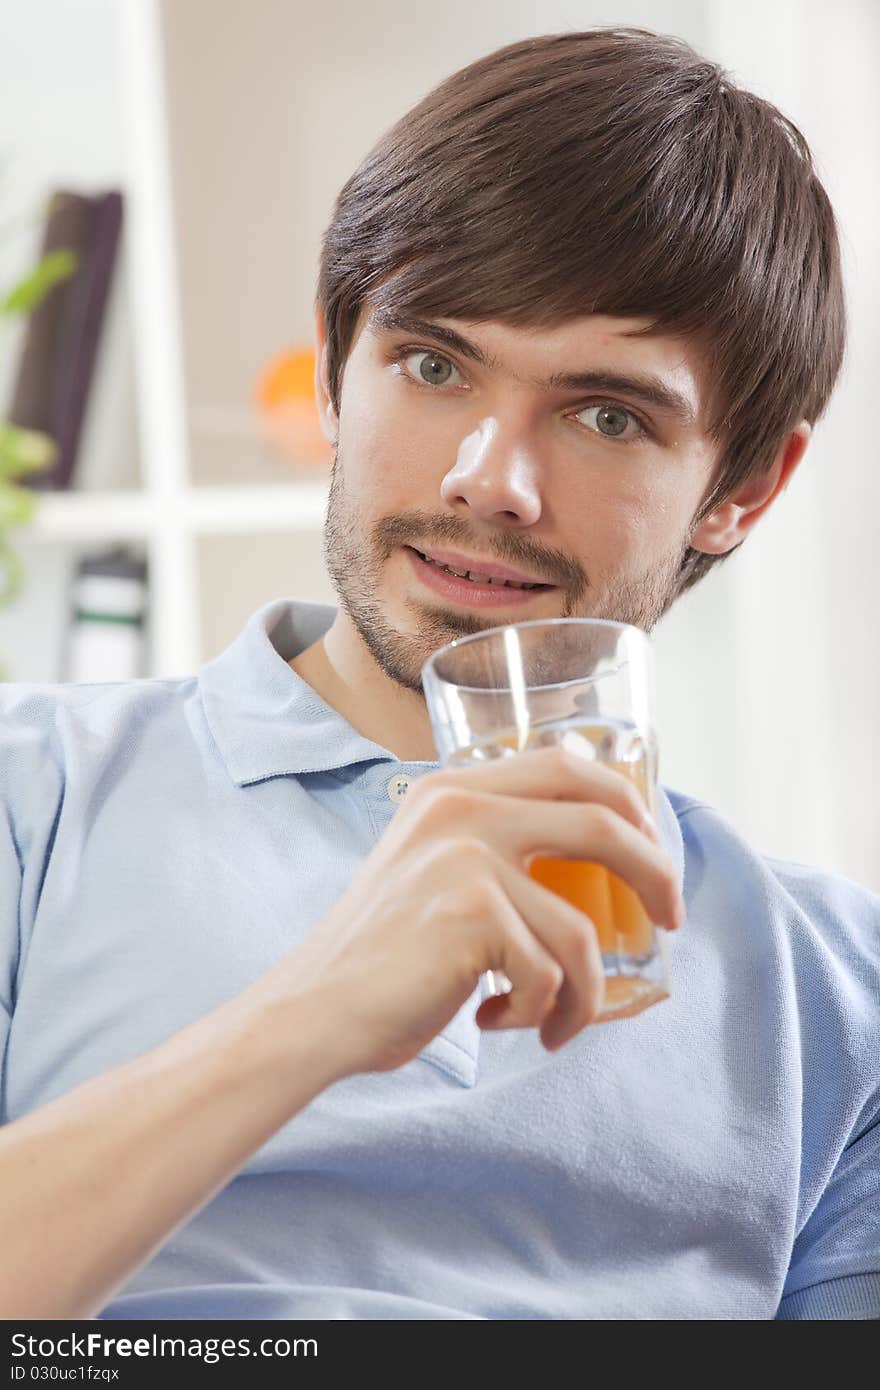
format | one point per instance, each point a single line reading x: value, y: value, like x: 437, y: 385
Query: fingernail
x: 649, y: 826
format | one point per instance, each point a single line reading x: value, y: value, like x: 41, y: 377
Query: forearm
x: 92, y: 1184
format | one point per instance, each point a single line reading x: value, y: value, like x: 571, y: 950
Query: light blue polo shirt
x: 164, y: 842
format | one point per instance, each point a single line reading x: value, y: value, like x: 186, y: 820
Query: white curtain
x: 769, y: 672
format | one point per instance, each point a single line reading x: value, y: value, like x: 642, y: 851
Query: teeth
x: 478, y: 578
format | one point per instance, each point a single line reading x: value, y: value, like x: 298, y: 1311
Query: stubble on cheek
x: 357, y: 551
x: 357, y: 567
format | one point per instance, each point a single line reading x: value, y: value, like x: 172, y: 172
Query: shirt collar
x: 268, y: 722
x: 265, y: 719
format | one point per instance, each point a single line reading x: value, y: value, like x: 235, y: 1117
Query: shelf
x: 273, y: 507
x: 74, y: 516
x: 87, y: 516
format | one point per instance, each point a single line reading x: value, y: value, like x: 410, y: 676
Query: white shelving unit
x: 136, y: 515
x: 172, y: 514
x: 230, y: 126
x: 143, y: 516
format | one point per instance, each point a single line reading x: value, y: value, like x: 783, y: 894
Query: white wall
x: 768, y: 671
x: 785, y: 642
x: 60, y: 126
x: 292, y: 97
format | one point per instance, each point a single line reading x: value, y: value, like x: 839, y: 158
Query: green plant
x: 22, y: 451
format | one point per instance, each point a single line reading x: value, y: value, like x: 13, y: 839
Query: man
x: 577, y: 314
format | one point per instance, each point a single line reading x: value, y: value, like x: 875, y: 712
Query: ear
x: 734, y: 519
x: 326, y: 413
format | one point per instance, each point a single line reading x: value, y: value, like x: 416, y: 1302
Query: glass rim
x: 531, y: 622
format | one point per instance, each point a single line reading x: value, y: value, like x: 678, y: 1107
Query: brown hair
x: 613, y: 171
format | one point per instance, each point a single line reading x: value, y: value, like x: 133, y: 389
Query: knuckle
x: 456, y: 855
x: 471, y: 852
x: 471, y: 902
x: 626, y: 796
x: 571, y: 765
x: 424, y: 788
x: 587, y: 970
x: 472, y: 887
x: 420, y: 801
x: 669, y: 877
x: 593, y: 1001
x: 548, y: 979
x: 601, y: 824
x: 674, y: 898
x: 582, y: 944
x: 634, y: 802
x: 444, y: 802
x: 669, y: 889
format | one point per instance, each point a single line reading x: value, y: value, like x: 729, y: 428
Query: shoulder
x: 44, y: 729
x: 816, y: 891
x: 830, y: 923
x: 30, y: 705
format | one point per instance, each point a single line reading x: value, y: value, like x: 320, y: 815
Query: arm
x: 96, y: 1181
x: 104, y: 1175
x: 834, y: 1273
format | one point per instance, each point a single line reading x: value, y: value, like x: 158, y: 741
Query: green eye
x: 612, y: 417
x: 611, y: 421
x: 431, y: 367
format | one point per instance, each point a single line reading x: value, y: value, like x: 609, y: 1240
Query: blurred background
x: 192, y: 150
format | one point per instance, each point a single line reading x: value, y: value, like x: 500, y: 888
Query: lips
x: 477, y: 595
x: 486, y: 572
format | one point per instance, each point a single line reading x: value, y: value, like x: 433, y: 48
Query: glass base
x: 627, y: 995
x: 632, y: 983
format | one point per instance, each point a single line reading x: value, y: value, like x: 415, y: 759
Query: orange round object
x: 285, y: 397
x: 291, y: 375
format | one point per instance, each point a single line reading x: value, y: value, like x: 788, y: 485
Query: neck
x: 344, y: 674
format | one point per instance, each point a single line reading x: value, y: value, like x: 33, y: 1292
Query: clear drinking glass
x: 588, y: 684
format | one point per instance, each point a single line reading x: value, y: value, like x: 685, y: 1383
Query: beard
x: 356, y: 561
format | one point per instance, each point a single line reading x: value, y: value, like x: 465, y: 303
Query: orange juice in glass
x: 586, y: 684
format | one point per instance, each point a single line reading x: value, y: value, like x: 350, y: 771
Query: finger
x: 534, y: 974
x: 552, y: 774
x: 590, y: 832
x: 569, y: 936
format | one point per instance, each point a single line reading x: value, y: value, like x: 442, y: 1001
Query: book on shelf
x: 106, y: 637
x: 60, y: 342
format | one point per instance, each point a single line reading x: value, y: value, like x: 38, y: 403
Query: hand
x: 446, y: 895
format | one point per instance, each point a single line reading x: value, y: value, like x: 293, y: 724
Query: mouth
x: 471, y: 587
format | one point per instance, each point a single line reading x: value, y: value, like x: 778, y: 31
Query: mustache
x: 416, y: 530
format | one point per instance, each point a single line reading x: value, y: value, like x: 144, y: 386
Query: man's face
x: 487, y: 447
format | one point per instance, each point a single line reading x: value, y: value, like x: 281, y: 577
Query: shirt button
x: 398, y: 788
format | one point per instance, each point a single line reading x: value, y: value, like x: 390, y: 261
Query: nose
x: 495, y: 475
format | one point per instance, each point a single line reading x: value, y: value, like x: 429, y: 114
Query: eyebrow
x: 643, y: 386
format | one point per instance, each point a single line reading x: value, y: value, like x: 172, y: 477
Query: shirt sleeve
x: 10, y: 898
x: 31, y: 787
x: 835, y: 1269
